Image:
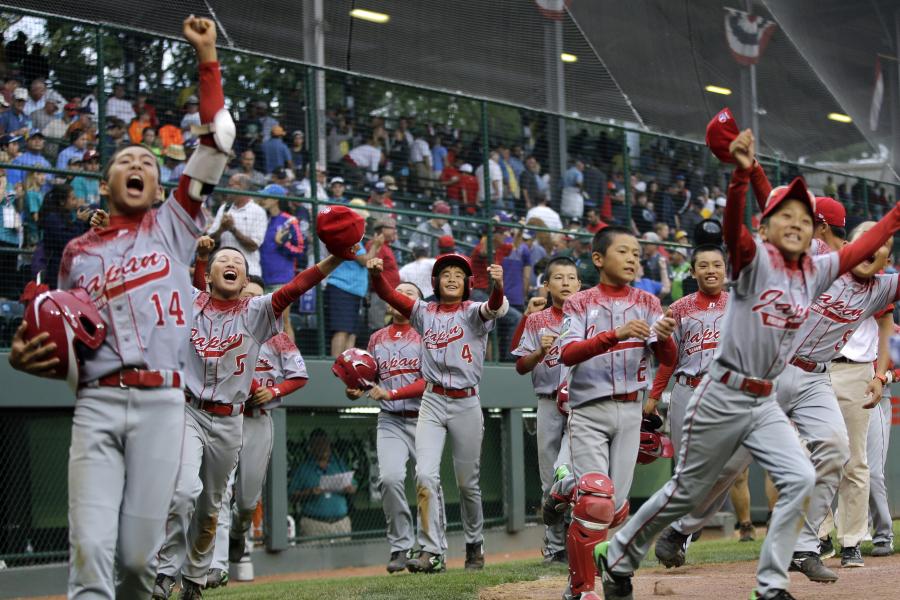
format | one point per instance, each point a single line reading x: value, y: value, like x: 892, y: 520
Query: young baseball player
x: 397, y: 350
x: 607, y: 337
x: 877, y: 443
x: 698, y: 323
x: 538, y: 352
x: 226, y: 336
x: 280, y: 371
x: 454, y: 334
x: 775, y: 284
x: 129, y: 411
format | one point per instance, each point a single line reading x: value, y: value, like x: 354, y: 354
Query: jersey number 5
x: 466, y: 353
x: 174, y: 309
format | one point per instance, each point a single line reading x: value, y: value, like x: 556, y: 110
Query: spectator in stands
x: 34, y: 199
x: 496, y: 179
x: 10, y: 83
x: 619, y: 211
x: 61, y: 220
x: 469, y: 188
x: 87, y: 189
x: 173, y: 163
x: 428, y: 232
x: 594, y: 182
x: 390, y: 185
x: 32, y: 157
x: 649, y: 285
x: 241, y: 223
x: 276, y: 154
x: 719, y: 212
x: 438, y: 158
x: 304, y: 188
x: 322, y: 513
x: 420, y: 163
x: 386, y: 227
x: 579, y: 250
x: 517, y: 161
x: 191, y: 117
x: 338, y: 141
x: 642, y: 217
x: 362, y: 163
x: 517, y: 269
x: 118, y: 106
x: 138, y: 125
x: 10, y: 232
x: 830, y: 189
x: 142, y: 106
x: 82, y: 121
x: 543, y: 212
x: 337, y: 189
x: 655, y: 265
x: 592, y: 221
x: 170, y: 133
x: 572, y: 204
x: 692, y: 217
x: 42, y: 117
x: 510, y: 182
x: 680, y: 269
x: 398, y: 158
x: 9, y: 144
x: 681, y: 196
x: 38, y: 94
x: 282, y: 247
x: 115, y: 135
x: 298, y: 151
x: 418, y: 271
x: 246, y: 167
x: 344, y: 292
x: 450, y: 180
x: 77, y: 145
x: 379, y: 197
x: 149, y: 139
x: 264, y: 121
x: 16, y: 121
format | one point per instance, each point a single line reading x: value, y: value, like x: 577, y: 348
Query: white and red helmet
x: 356, y: 368
x: 562, y: 398
x: 456, y: 260
x: 653, y: 444
x: 74, y: 325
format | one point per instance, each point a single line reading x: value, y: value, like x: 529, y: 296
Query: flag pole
x: 754, y: 104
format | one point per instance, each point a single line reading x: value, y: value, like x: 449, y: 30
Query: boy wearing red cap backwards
x: 454, y: 338
x: 775, y: 284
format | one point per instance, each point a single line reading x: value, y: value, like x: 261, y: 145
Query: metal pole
x: 486, y: 182
x: 754, y: 106
x: 101, y: 94
x: 312, y: 127
x: 626, y: 175
x: 314, y: 53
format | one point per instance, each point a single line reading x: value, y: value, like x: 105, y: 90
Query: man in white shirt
x: 117, y: 106
x: 418, y: 271
x: 420, y: 157
x: 496, y: 176
x: 241, y: 223
x: 367, y: 158
x: 37, y: 97
x: 543, y: 212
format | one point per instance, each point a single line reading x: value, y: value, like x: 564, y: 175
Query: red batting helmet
x: 74, y: 325
x: 453, y: 259
x: 653, y: 444
x: 356, y: 368
x: 562, y: 399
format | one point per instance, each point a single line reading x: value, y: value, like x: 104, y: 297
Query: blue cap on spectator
x: 35, y: 132
x: 274, y: 189
x: 679, y: 178
x: 9, y: 139
x: 380, y: 187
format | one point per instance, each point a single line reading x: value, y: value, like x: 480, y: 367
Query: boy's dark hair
x: 603, y: 239
x: 562, y: 261
x: 257, y: 280
x: 705, y: 248
x: 120, y: 149
x: 212, y: 258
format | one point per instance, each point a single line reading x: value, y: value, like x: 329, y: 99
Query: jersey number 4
x: 466, y: 353
x: 174, y: 309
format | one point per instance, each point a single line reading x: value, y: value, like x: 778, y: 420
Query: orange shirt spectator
x: 169, y: 135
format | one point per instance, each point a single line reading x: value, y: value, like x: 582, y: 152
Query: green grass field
x: 457, y: 584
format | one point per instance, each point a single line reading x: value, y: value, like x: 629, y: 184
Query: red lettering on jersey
x: 551, y: 359
x: 441, y: 339
x: 397, y: 365
x: 214, y: 347
x: 781, y: 315
x: 130, y: 275
x: 263, y: 365
x: 836, y: 310
x: 705, y: 336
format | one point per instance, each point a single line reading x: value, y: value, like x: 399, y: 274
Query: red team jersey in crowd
x: 278, y: 360
x: 227, y: 336
x: 624, y: 367
x: 137, y: 273
x: 550, y: 372
x: 454, y: 339
x: 398, y: 351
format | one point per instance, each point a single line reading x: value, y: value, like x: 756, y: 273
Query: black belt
x: 844, y: 359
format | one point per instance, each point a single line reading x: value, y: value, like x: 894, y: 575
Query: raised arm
x: 302, y: 282
x: 402, y: 303
x: 741, y: 249
x: 868, y: 243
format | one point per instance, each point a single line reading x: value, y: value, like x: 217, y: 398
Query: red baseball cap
x: 446, y: 241
x: 720, y: 132
x: 830, y: 211
x: 796, y: 190
x: 340, y: 228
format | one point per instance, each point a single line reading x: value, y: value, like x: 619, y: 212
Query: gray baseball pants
x: 553, y: 450
x: 809, y: 402
x: 244, y: 486
x: 719, y: 419
x: 678, y: 401
x: 461, y: 418
x: 877, y: 450
x: 209, y: 455
x: 604, y: 437
x: 118, y: 509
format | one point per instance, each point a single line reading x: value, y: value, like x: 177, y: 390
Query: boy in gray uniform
x: 775, y: 284
x: 454, y: 334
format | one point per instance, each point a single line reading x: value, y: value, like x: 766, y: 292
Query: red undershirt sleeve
x: 412, y: 390
x: 761, y: 186
x: 296, y: 287
x: 521, y: 367
x: 661, y: 381
x: 578, y: 352
x: 868, y: 243
x: 741, y: 249
x: 200, y: 274
x: 289, y: 386
x: 665, y: 352
x: 402, y: 303
x: 496, y: 299
x: 517, y: 334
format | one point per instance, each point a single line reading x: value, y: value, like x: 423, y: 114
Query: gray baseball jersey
x: 768, y: 305
x: 226, y: 336
x: 453, y: 342
x: 137, y: 275
x: 550, y: 372
x: 398, y: 351
x: 623, y: 368
x: 278, y: 360
x: 837, y: 313
x: 698, y: 323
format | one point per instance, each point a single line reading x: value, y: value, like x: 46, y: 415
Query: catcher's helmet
x: 74, y: 325
x: 653, y: 444
x: 356, y: 368
x: 453, y: 259
x: 708, y: 232
x: 562, y: 398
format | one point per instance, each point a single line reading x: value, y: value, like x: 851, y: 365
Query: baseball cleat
x: 560, y: 557
x: 775, y: 595
x: 427, y: 562
x: 237, y: 547
x: 398, y: 560
x: 882, y: 549
x: 162, y: 589
x: 615, y: 587
x: 216, y: 578
x: 747, y: 532
x: 670, y: 547
x: 555, y: 505
x: 851, y: 557
x: 812, y: 566
x: 475, y: 556
x: 826, y: 547
x: 190, y: 590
